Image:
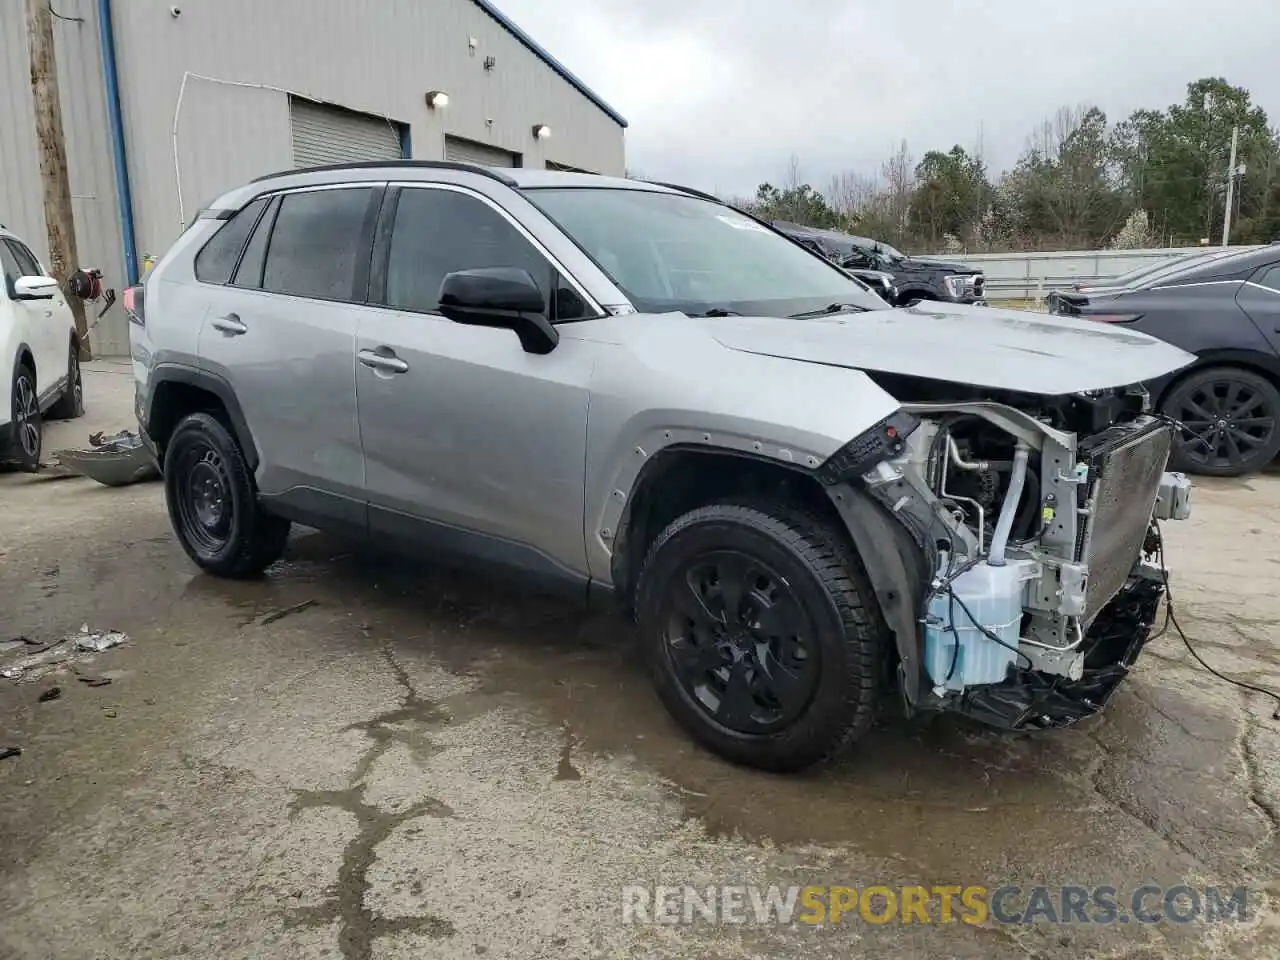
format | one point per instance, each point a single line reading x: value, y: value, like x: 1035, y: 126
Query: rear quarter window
x: 217, y: 259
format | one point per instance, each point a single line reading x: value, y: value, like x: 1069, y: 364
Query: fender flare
x: 899, y: 574
x: 210, y: 382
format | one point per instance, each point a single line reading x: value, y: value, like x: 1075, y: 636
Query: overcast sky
x: 719, y: 94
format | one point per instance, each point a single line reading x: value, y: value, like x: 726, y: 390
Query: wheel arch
x: 1251, y: 360
x: 177, y: 390
x: 683, y: 477
x: 23, y: 354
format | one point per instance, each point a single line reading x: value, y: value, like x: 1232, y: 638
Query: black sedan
x: 1225, y: 310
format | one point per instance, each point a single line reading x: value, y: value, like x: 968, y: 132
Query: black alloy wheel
x: 761, y: 632
x: 28, y: 433
x: 1230, y: 419
x: 739, y: 642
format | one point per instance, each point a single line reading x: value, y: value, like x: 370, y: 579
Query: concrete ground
x: 424, y: 764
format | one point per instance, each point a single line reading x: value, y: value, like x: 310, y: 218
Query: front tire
x: 213, y: 501
x: 1232, y: 421
x: 71, y: 404
x: 762, y: 634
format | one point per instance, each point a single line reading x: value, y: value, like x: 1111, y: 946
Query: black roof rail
x: 689, y: 190
x: 489, y: 172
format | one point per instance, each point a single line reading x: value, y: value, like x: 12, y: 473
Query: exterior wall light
x: 437, y: 99
x: 541, y: 131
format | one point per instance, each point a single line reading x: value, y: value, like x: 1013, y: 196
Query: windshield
x: 677, y: 252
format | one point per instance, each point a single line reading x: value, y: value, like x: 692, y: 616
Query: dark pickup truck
x: 914, y: 278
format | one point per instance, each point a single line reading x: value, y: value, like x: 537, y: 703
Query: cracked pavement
x: 427, y: 764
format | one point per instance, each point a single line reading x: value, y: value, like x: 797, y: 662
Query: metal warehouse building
x: 164, y: 106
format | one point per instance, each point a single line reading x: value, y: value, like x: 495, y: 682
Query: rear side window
x: 316, y: 243
x: 1270, y: 278
x: 249, y: 272
x: 217, y: 258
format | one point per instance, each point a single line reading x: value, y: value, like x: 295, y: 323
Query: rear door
x: 47, y: 322
x: 1259, y: 297
x: 472, y: 446
x: 285, y: 290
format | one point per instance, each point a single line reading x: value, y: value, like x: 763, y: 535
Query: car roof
x: 1228, y: 265
x: 426, y: 171
x: 518, y: 177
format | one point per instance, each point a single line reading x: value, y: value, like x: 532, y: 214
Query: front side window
x: 28, y: 265
x: 316, y: 243
x: 217, y: 258
x: 436, y: 232
x: 671, y: 252
x: 10, y: 267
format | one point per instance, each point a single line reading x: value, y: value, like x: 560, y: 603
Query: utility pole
x: 1231, y: 186
x: 58, y: 217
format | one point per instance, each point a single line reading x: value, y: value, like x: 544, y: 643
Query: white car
x: 39, y: 354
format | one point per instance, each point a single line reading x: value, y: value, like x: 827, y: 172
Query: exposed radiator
x: 1126, y: 463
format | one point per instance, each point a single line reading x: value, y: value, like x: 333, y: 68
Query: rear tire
x: 71, y: 404
x: 213, y: 501
x: 1232, y: 416
x: 27, y: 438
x: 762, y: 634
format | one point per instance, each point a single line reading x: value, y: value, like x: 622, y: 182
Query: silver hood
x: 982, y: 346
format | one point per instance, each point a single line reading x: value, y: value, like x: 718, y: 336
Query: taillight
x: 1113, y: 317
x: 132, y: 300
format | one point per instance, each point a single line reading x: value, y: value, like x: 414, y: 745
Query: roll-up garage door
x: 327, y: 134
x: 468, y: 151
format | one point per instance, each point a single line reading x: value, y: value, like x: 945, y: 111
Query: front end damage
x: 1012, y: 544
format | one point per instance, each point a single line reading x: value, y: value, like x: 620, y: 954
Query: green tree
x: 1174, y: 162
x: 798, y: 204
x: 950, y: 197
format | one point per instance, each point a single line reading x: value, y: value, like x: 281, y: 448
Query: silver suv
x: 809, y: 501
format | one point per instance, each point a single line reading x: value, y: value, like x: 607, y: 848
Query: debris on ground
x: 7, y: 752
x: 53, y: 693
x: 75, y: 646
x: 280, y: 614
x: 98, y: 640
x: 114, y: 460
x: 95, y: 681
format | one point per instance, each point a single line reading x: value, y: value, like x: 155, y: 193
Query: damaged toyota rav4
x: 812, y: 504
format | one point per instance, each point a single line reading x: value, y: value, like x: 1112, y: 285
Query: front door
x: 471, y: 445
x: 46, y: 322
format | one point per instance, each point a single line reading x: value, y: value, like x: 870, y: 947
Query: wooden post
x: 58, y: 217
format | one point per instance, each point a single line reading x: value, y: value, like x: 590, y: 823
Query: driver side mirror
x: 505, y: 297
x: 34, y: 288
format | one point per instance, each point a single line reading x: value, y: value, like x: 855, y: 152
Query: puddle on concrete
x: 937, y: 792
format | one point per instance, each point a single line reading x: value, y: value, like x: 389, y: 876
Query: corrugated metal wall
x: 379, y: 58
x: 89, y: 158
x: 1030, y: 275
x: 324, y: 134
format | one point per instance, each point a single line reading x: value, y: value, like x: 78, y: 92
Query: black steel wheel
x: 213, y: 501
x: 1231, y: 420
x: 27, y: 435
x: 71, y: 404
x: 761, y: 633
